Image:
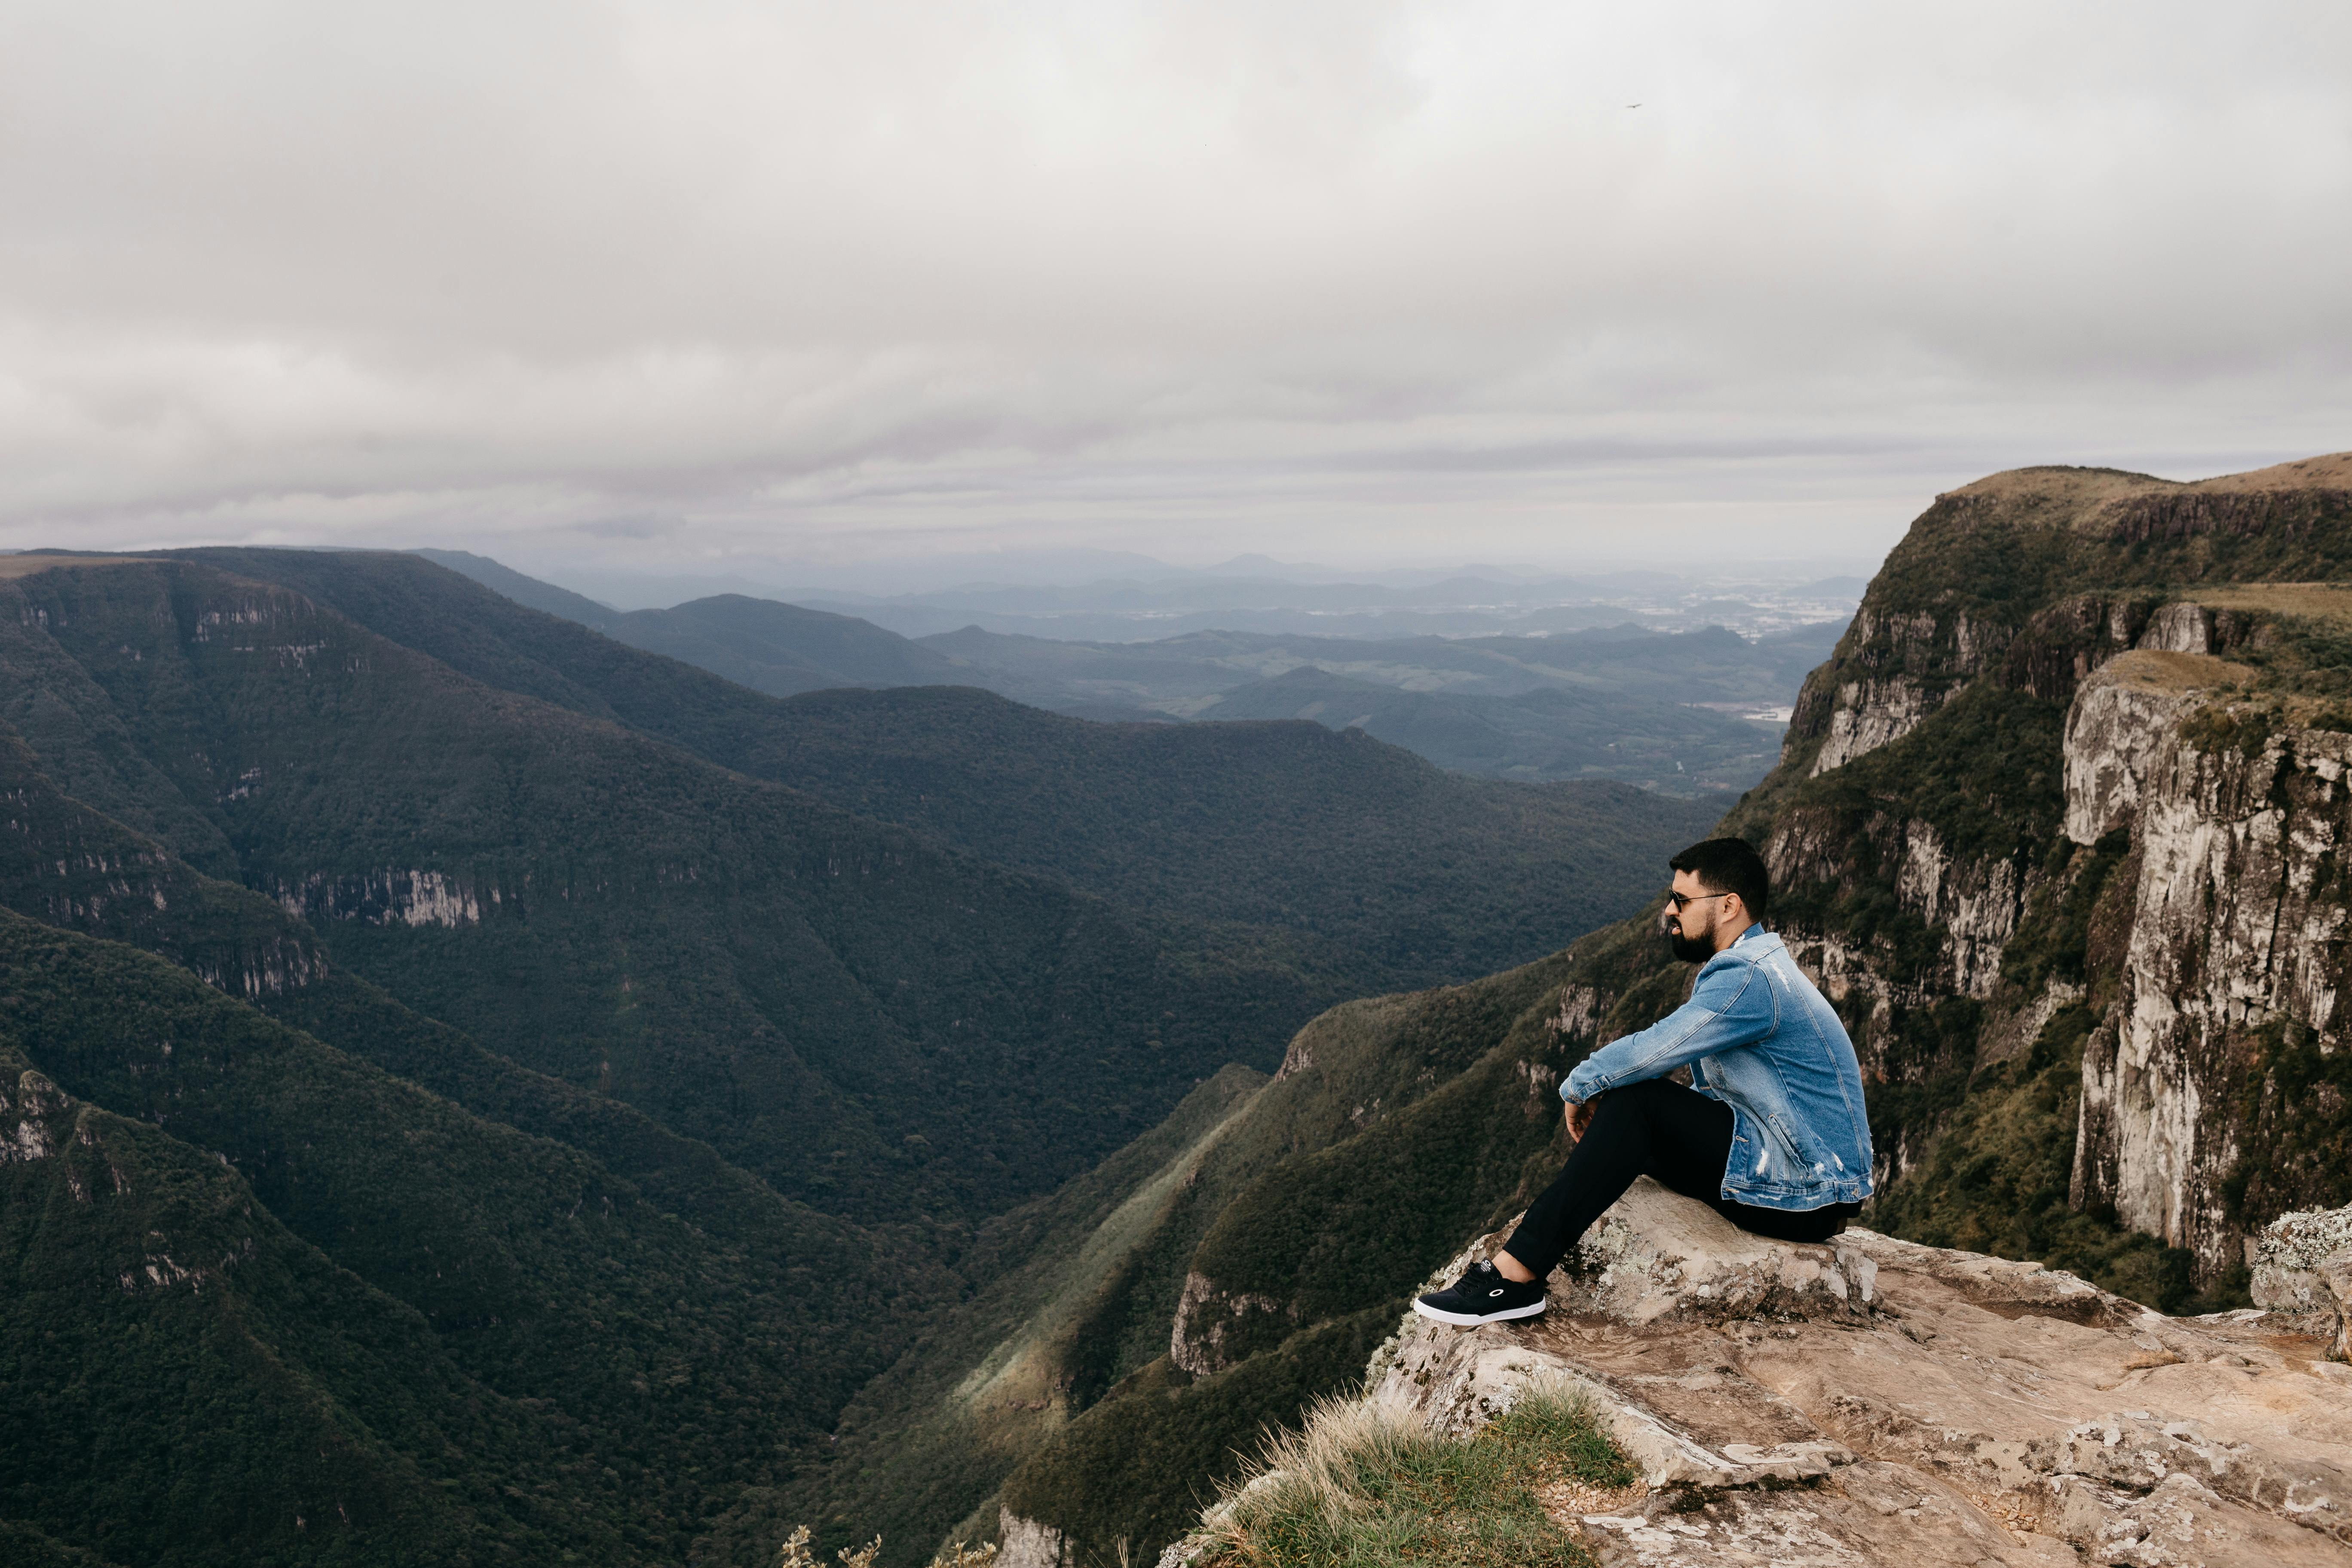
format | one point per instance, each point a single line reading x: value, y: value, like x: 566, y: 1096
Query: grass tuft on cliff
x: 1359, y: 1485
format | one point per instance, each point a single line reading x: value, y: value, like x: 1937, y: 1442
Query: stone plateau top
x: 1872, y: 1401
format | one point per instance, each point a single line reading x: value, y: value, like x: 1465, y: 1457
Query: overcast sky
x: 685, y: 283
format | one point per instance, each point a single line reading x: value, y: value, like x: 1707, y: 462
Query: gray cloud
x: 1380, y: 281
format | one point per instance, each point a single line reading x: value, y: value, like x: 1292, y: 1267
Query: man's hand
x: 1580, y: 1117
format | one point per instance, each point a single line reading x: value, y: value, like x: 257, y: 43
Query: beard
x: 1691, y: 949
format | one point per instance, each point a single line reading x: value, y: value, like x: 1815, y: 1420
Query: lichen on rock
x: 2302, y: 1265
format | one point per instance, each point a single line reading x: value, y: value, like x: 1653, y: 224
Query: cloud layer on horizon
x: 682, y: 283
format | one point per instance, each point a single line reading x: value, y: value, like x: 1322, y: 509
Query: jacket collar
x: 1752, y: 942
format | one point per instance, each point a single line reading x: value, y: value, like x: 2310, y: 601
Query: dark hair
x: 1729, y: 866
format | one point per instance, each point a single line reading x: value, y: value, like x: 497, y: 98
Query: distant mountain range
x: 1692, y: 713
x: 1108, y: 597
x: 763, y: 644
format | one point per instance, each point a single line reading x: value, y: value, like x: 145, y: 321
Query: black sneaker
x: 1482, y: 1296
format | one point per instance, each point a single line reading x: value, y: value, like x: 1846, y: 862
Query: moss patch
x: 2295, y: 1097
x: 2008, y: 794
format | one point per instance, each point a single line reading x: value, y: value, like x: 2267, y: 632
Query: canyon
x: 314, y: 861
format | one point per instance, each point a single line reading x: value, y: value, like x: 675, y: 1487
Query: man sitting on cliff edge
x: 1774, y: 1135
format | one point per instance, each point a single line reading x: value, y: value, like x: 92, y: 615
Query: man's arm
x: 1731, y: 1006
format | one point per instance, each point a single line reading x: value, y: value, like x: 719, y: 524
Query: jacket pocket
x: 1789, y: 1145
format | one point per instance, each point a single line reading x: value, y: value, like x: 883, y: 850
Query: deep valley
x: 479, y: 1088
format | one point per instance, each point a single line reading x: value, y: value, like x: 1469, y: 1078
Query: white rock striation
x: 2238, y: 925
x: 2234, y: 906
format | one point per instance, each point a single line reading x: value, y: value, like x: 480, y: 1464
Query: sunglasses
x: 1681, y: 902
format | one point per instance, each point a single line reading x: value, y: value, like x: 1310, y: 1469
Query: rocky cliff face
x: 2053, y: 662
x: 2238, y: 932
x: 66, y: 865
x: 2232, y: 908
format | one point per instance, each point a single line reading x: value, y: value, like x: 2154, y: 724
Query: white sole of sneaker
x: 1472, y: 1320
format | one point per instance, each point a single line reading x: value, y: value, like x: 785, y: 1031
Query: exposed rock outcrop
x: 1198, y: 1340
x: 1866, y: 715
x: 2122, y: 719
x: 2303, y: 1267
x: 1025, y: 1544
x: 64, y: 865
x: 1873, y: 1401
x: 1908, y: 664
x: 393, y: 896
x: 2238, y: 925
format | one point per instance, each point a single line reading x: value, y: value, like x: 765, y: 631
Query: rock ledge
x: 1873, y: 1401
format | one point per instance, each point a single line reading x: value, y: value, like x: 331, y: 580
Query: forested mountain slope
x: 424, y: 1096
x: 456, y: 1310
x: 1362, y: 859
x: 1330, y: 859
x: 557, y: 1300
x: 763, y: 644
x: 2058, y: 829
x: 731, y: 957
x: 1394, y: 1123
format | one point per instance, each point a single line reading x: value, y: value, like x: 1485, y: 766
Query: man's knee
x: 1657, y: 1110
x: 1638, y: 1099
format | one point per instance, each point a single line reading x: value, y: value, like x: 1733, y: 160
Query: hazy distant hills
x: 1690, y: 713
x: 1550, y: 733
x: 767, y: 645
x: 1709, y: 665
x: 1268, y: 600
x: 481, y: 1091
x: 782, y: 649
x: 523, y: 590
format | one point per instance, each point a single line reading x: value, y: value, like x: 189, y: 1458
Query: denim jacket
x: 1758, y: 1038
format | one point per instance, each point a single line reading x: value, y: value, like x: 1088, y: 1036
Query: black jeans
x: 1658, y: 1129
